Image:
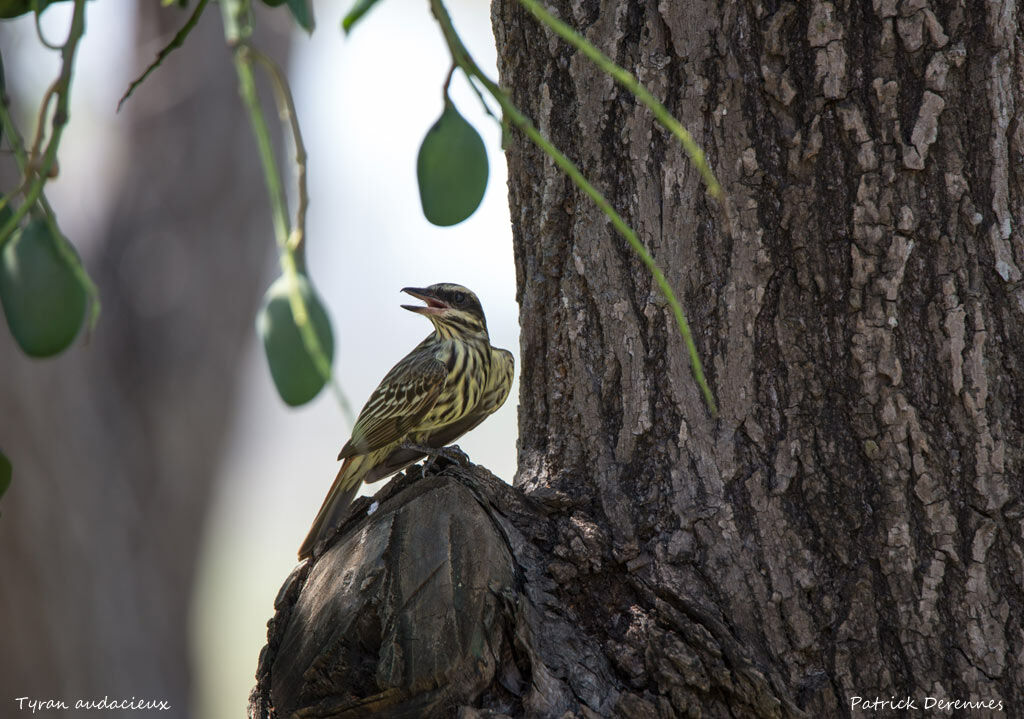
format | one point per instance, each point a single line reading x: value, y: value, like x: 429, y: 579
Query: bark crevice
x: 519, y: 609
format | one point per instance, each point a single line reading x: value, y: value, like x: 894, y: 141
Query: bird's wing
x: 401, y: 400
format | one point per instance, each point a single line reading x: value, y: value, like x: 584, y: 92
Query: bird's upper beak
x: 434, y: 305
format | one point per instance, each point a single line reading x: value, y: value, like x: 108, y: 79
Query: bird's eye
x: 459, y: 298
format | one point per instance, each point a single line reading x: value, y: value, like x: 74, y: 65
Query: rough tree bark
x: 115, y: 444
x: 851, y: 524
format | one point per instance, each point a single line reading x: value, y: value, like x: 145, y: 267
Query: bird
x: 447, y: 385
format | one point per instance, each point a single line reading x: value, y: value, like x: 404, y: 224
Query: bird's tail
x: 335, y: 506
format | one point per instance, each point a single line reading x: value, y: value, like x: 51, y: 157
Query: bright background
x: 364, y: 102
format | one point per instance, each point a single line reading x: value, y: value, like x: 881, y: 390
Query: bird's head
x: 453, y: 309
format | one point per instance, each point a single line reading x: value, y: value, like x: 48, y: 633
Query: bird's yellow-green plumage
x: 448, y: 384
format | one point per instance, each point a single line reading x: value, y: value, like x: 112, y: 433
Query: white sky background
x: 364, y: 102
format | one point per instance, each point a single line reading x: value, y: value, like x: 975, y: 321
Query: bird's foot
x: 452, y: 454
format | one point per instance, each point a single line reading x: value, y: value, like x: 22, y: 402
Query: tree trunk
x: 851, y: 525
x: 115, y: 444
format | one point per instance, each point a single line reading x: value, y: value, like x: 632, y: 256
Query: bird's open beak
x: 434, y: 305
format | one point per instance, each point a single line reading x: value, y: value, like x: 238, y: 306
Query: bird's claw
x: 452, y: 453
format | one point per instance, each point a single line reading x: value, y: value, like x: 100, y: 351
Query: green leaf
x: 5, y: 473
x: 274, y: 3
x: 356, y: 13
x: 14, y: 8
x: 302, y: 11
x: 451, y: 169
x: 42, y: 297
x: 293, y: 369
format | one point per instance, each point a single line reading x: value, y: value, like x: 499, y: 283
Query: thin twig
x: 483, y: 101
x: 177, y: 41
x: 461, y: 56
x: 37, y: 11
x: 18, y: 150
x: 629, y: 81
x: 35, y: 173
x: 297, y: 239
x: 28, y: 172
x: 447, y: 83
x: 286, y: 108
x: 237, y: 31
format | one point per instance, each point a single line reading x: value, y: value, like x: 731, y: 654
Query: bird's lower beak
x: 434, y: 305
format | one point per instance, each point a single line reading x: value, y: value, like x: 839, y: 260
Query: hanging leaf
x: 302, y: 11
x: 356, y: 13
x: 294, y: 371
x: 451, y: 169
x: 42, y: 297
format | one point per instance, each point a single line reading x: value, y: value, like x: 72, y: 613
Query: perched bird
x: 450, y: 383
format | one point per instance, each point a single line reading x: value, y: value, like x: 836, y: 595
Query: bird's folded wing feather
x: 403, y: 398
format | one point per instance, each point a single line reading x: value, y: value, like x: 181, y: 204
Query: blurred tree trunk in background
x: 115, y: 443
x: 851, y: 524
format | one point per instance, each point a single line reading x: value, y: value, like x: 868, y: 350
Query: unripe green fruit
x: 451, y: 169
x: 42, y: 297
x: 293, y: 369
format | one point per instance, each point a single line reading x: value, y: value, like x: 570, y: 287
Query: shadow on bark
x: 450, y: 599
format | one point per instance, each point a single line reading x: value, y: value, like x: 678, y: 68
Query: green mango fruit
x: 295, y: 374
x: 451, y: 169
x: 42, y: 297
